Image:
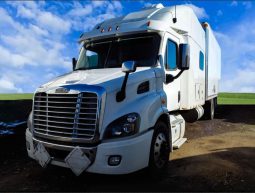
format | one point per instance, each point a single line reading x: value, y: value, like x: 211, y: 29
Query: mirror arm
x: 179, y: 74
x: 172, y: 78
x: 74, y: 61
x: 121, y: 95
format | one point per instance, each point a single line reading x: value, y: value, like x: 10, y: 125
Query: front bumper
x: 134, y: 152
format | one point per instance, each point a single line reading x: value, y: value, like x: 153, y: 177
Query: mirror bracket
x: 127, y: 67
x: 121, y: 95
x: 170, y: 78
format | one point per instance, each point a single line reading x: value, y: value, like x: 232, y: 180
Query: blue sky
x: 39, y: 38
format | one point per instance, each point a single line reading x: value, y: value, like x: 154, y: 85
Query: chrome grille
x: 65, y: 115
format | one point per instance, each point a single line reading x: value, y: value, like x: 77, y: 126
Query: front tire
x: 160, y: 148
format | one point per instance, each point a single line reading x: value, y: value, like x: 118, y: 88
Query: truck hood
x: 100, y: 77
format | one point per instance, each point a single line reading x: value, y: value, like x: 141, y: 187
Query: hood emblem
x: 61, y: 90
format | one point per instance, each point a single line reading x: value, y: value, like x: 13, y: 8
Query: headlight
x: 30, y: 121
x: 124, y: 126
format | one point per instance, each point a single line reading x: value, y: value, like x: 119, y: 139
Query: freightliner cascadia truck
x: 137, y: 80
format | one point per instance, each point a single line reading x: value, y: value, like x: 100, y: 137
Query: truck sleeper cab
x: 123, y: 106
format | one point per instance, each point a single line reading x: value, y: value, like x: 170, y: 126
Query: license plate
x: 77, y: 161
x: 41, y: 155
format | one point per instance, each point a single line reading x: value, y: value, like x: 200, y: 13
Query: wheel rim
x: 160, y: 150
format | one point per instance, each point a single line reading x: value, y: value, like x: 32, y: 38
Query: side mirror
x: 128, y: 66
x: 74, y: 61
x: 184, y: 57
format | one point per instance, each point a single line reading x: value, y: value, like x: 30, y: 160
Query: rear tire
x: 160, y: 148
x: 209, y: 109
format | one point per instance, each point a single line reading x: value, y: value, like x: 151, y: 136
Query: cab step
x: 178, y: 143
x: 176, y: 122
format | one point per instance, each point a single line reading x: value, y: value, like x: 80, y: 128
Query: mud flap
x: 77, y: 161
x: 41, y: 155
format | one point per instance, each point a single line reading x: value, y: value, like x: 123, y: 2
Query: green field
x: 236, y: 98
x: 223, y: 98
x: 16, y: 96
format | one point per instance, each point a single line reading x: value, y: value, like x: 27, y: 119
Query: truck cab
x: 123, y: 107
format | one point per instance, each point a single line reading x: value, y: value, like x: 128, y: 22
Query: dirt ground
x: 218, y: 156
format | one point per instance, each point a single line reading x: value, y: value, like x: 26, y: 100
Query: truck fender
x: 164, y: 117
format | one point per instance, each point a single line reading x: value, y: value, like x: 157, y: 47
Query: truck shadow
x: 236, y: 113
x: 228, y: 118
x: 229, y: 169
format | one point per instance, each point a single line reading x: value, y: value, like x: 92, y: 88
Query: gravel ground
x: 218, y: 156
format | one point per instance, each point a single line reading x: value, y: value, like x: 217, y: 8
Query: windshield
x: 112, y: 53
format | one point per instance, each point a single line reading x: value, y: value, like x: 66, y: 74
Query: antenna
x: 175, y: 18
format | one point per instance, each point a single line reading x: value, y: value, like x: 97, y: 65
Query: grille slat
x: 66, y: 115
x: 43, y: 106
x: 49, y: 121
x: 57, y: 102
x: 45, y: 111
x: 63, y: 134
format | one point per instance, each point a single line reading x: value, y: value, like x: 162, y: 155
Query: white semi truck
x: 137, y: 79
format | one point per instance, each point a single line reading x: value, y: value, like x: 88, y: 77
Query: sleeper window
x: 201, y: 60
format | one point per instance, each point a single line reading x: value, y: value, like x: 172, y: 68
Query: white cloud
x: 36, y: 41
x: 234, y: 3
x: 247, y: 4
x: 98, y: 3
x: 117, y: 5
x: 147, y: 5
x: 242, y: 82
x: 103, y: 10
x: 24, y: 12
x: 8, y: 87
x: 53, y: 23
x: 219, y: 12
x: 9, y: 58
x: 38, y: 31
x: 199, y: 11
x: 80, y: 11
x: 238, y: 59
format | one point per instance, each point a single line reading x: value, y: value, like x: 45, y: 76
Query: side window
x: 201, y: 60
x: 171, y: 55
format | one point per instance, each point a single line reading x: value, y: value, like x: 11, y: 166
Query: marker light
x: 102, y: 30
x: 148, y: 23
x: 205, y: 25
x: 117, y: 27
x: 110, y: 29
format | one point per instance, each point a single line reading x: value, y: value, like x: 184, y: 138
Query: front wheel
x: 160, y: 148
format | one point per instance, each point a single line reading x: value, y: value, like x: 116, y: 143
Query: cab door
x: 172, y: 89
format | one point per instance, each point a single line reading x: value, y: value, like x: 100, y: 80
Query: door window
x: 171, y: 55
